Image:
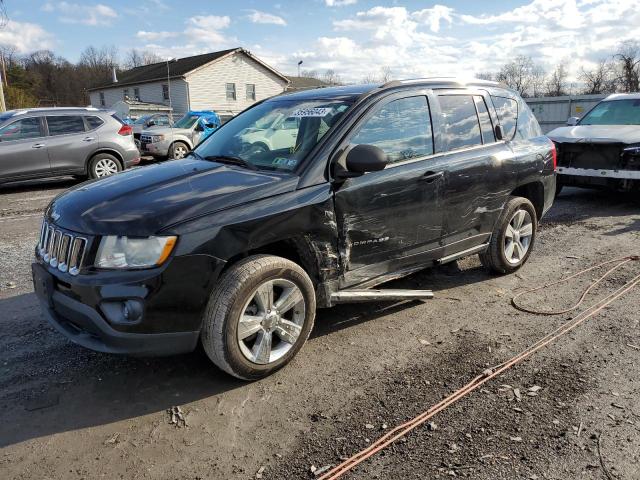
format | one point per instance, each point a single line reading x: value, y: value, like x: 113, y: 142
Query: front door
x: 68, y: 143
x: 23, y: 149
x: 392, y: 219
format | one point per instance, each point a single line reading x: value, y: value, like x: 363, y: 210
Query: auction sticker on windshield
x: 312, y: 112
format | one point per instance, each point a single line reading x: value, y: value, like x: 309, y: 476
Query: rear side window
x: 528, y: 126
x: 460, y: 121
x: 401, y: 128
x: 65, y: 124
x: 486, y: 127
x: 93, y: 122
x: 21, y: 130
x: 507, y: 110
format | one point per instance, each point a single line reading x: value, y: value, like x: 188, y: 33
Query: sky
x: 355, y: 38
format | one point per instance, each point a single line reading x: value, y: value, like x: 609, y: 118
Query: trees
x: 137, y: 58
x: 628, y: 66
x: 556, y: 84
x: 599, y: 79
x: 518, y: 74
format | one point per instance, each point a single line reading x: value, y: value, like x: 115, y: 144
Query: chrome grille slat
x: 62, y: 250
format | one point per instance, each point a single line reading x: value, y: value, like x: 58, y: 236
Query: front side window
x: 21, y: 130
x: 401, y: 128
x: 614, y: 112
x: 251, y: 91
x: 507, y: 110
x: 274, y: 135
x: 64, y: 124
x: 461, y: 128
x: 231, y: 91
x: 165, y: 92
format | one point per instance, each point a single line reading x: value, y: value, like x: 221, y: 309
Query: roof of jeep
x: 352, y: 92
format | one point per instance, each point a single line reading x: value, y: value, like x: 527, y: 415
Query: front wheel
x: 259, y: 316
x: 178, y: 150
x: 513, y: 238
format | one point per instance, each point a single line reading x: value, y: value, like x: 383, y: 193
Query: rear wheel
x: 259, y: 316
x: 104, y: 165
x: 178, y: 150
x: 513, y: 238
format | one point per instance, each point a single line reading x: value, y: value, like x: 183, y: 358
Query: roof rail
x: 462, y: 81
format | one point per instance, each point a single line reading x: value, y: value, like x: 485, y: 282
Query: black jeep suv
x: 299, y: 202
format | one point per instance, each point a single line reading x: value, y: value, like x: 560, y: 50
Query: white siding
x: 149, y: 92
x: 207, y: 88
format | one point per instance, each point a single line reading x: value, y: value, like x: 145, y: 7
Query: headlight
x: 126, y: 252
x: 156, y: 138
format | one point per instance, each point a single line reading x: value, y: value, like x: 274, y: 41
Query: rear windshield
x: 614, y: 112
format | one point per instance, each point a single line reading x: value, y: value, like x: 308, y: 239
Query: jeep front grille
x: 60, y: 249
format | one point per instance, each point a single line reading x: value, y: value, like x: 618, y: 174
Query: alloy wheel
x: 179, y: 151
x: 105, y: 167
x: 517, y: 239
x: 271, y: 321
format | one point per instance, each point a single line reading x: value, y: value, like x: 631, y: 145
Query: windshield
x: 142, y: 120
x: 187, y: 121
x: 614, y: 112
x: 275, y: 135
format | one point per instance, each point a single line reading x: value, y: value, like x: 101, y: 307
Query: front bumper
x: 599, y: 173
x: 157, y: 149
x: 167, y: 311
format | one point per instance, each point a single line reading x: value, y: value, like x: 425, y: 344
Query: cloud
x: 257, y: 16
x: 94, y: 15
x: 25, y: 37
x: 339, y: 3
x: 155, y: 36
x: 433, y: 16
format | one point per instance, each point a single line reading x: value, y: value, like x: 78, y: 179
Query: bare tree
x: 385, y: 74
x: 556, y: 85
x: 518, y: 74
x: 628, y: 60
x: 600, y: 79
x: 138, y: 58
x: 486, y: 76
x: 538, y: 80
x: 331, y: 77
x: 310, y: 74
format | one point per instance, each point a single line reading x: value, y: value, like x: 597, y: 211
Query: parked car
x: 175, y: 142
x: 148, y: 122
x: 601, y: 149
x: 235, y: 247
x: 46, y: 142
x: 274, y: 133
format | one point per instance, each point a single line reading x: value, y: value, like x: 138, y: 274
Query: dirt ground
x: 71, y: 413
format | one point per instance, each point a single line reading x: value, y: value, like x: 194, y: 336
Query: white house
x: 227, y: 82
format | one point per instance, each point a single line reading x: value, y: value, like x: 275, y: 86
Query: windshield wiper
x: 231, y: 160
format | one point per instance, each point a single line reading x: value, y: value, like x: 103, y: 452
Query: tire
x: 505, y: 252
x: 104, y: 165
x: 178, y: 150
x: 236, y: 295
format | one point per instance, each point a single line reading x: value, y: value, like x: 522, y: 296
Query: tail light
x: 554, y: 155
x: 125, y: 130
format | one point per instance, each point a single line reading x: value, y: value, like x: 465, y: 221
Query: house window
x: 136, y: 94
x: 102, y: 104
x: 231, y: 91
x: 251, y: 91
x: 125, y: 93
x: 165, y: 92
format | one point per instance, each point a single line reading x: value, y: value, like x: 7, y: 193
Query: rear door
x: 392, y: 219
x: 476, y: 168
x: 23, y: 149
x: 69, y: 143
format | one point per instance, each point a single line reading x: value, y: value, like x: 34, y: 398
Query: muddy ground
x: 70, y: 413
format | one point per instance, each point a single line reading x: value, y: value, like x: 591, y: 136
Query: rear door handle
x: 88, y: 139
x: 38, y: 145
x: 430, y: 177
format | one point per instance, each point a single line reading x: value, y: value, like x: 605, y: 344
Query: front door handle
x: 430, y: 177
x: 38, y: 145
x: 88, y: 139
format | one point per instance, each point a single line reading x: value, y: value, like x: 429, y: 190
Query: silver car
x: 47, y: 142
x: 173, y: 142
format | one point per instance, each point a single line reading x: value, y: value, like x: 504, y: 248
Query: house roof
x: 177, y: 69
x: 304, y: 83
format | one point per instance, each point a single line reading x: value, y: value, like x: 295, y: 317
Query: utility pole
x: 3, y: 106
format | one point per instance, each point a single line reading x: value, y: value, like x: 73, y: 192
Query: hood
x: 143, y: 201
x: 596, y: 134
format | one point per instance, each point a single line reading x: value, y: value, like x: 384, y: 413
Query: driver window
x: 21, y: 130
x: 401, y: 128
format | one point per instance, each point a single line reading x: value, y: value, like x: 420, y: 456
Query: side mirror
x: 366, y: 158
x: 499, y: 132
x: 573, y: 121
